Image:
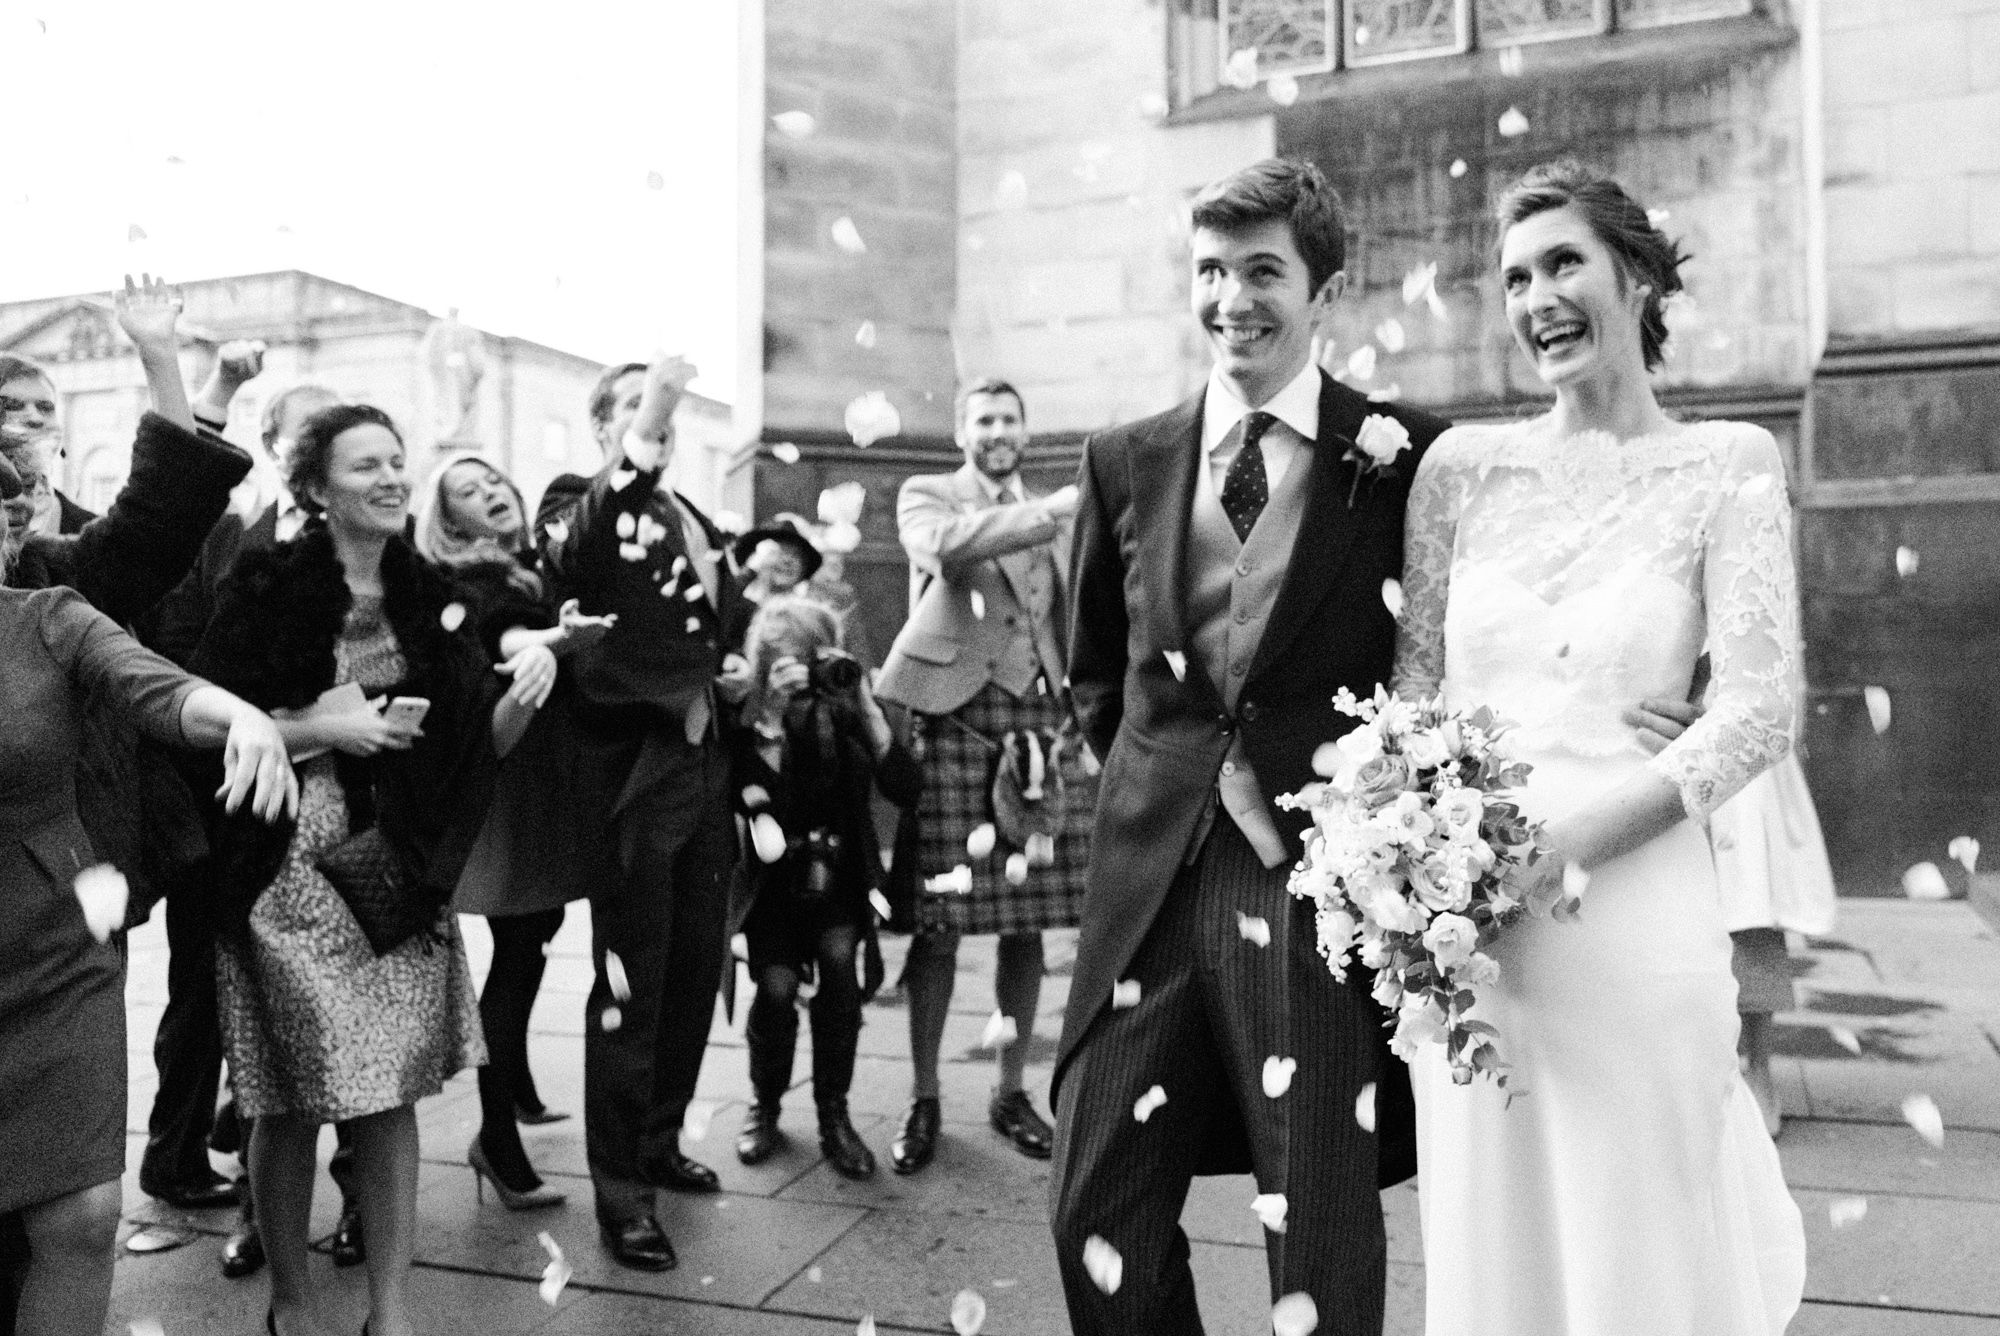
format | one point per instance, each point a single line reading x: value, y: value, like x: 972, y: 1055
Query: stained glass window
x: 1380, y: 31
x: 1513, y: 22
x: 1289, y: 36
x: 1659, y: 13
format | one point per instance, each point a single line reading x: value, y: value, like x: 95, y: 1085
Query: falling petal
x: 614, y: 977
x: 1756, y: 485
x: 847, y: 236
x: 1921, y: 1112
x: 1253, y: 928
x: 1846, y: 1211
x: 1926, y: 882
x: 1017, y: 869
x: 1512, y: 124
x: 1364, y: 1107
x: 1387, y: 394
x: 627, y: 525
x: 1512, y: 62
x: 1278, y: 1075
x: 794, y: 124
x: 979, y: 841
x: 1041, y: 849
x: 1000, y: 1032
x: 1295, y: 1315
x: 147, y: 1326
x: 1271, y: 1208
x: 1361, y: 34
x: 785, y: 452
x: 694, y: 593
x: 880, y: 904
x: 739, y: 946
x: 1906, y: 561
x: 729, y: 522
x: 1125, y: 994
x: 1011, y: 192
x: 1877, y: 700
x: 1391, y: 336
x: 557, y: 530
x: 158, y: 1239
x: 1392, y: 599
x: 1327, y: 757
x: 1103, y: 1264
x: 866, y: 1327
x: 102, y: 891
x: 1241, y: 69
x: 958, y: 881
x: 1153, y: 106
x: 654, y: 181
x: 1283, y: 88
x: 696, y: 1120
x: 767, y: 837
x: 1965, y: 851
x: 1361, y: 362
x: 1176, y: 664
x: 557, y: 1273
x: 694, y: 626
x: 1658, y: 217
x: 865, y: 336
x: 1458, y: 168
x: 816, y: 1273
x: 611, y: 1019
x: 871, y: 417
x: 1151, y: 1100
x: 755, y: 796
x: 622, y: 478
x: 1439, y: 311
x: 451, y: 617
x: 135, y: 233
x: 1845, y: 1037
x: 979, y: 605
x: 968, y: 1313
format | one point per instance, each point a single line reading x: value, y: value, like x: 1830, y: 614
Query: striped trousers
x: 1212, y: 1007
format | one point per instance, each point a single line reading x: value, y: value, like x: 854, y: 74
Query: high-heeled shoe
x: 514, y: 1199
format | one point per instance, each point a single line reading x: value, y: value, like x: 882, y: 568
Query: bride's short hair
x: 1644, y: 253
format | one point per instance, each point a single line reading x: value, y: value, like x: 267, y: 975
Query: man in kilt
x: 981, y: 666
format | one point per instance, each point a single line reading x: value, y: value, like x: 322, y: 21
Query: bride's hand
x: 1658, y: 720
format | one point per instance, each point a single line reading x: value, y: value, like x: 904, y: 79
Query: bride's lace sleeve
x: 1751, y: 594
x: 1430, y: 530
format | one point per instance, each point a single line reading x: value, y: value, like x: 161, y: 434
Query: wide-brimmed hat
x: 784, y: 529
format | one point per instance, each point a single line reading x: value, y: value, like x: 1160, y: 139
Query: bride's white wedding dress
x: 1630, y: 1188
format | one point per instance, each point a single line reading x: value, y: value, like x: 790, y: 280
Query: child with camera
x: 810, y: 745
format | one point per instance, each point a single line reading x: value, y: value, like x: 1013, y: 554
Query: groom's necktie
x: 1245, y: 488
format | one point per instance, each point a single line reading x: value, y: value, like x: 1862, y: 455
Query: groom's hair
x: 1281, y: 190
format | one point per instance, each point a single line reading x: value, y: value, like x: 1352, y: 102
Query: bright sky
x: 565, y: 173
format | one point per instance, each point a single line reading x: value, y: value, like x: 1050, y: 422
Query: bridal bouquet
x: 1408, y: 864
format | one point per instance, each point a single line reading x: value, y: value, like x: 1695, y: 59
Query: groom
x: 1229, y: 569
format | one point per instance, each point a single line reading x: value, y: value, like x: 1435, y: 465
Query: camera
x: 822, y: 858
x: 834, y: 672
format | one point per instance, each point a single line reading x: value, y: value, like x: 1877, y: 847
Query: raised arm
x: 1098, y: 627
x: 149, y: 313
x: 1751, y: 593
x: 1430, y: 531
x: 939, y: 535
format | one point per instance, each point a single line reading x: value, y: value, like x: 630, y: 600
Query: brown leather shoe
x: 1013, y: 1116
x: 916, y: 1144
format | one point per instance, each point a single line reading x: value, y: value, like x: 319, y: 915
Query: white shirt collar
x: 1012, y: 487
x: 1297, y: 406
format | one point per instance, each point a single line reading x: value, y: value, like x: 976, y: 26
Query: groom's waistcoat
x: 1232, y: 586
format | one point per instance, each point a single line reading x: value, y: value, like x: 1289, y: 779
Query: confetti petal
x: 755, y: 796
x: 1361, y: 362
x: 785, y: 452
x: 979, y: 605
x: 979, y: 843
x: 557, y: 530
x: 1575, y: 881
x: 622, y: 478
x: 739, y: 946
x: 1152, y: 106
x: 1176, y: 664
x: 1240, y: 71
x: 795, y: 124
x: 1103, y: 1264
x: 871, y: 418
x: 1418, y: 281
x: 693, y: 625
x: 1391, y: 336
x: 1879, y: 711
x: 655, y: 181
x: 1041, y: 850
x: 1364, y: 1107
x: 1392, y: 599
x: 614, y: 977
x: 1845, y: 1211
x: 1253, y: 928
x: 1011, y: 192
x: 556, y: 1274
x: 102, y: 892
x: 1125, y: 994
x: 847, y: 236
x: 1283, y: 89
x: 451, y: 617
x: 815, y: 1273
x: 1658, y: 217
x: 1907, y: 561
x: 1295, y: 1315
x: 611, y: 1019
x: 147, y: 1326
x: 866, y: 1327
x: 1512, y: 61
x: 632, y: 551
x: 1387, y: 394
x: 1920, y: 1111
x: 1151, y: 1100
x: 1926, y: 882
x: 767, y: 837
x: 880, y: 904
x: 1271, y: 1208
x: 1512, y: 124
x: 1278, y: 1075
x: 1000, y: 1032
x: 1845, y: 1037
x: 968, y: 1313
x: 958, y: 881
x: 1965, y: 851
x: 1017, y: 869
x: 695, y: 1122
x: 1458, y: 168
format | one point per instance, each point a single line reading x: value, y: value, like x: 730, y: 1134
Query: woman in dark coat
x: 62, y: 977
x: 472, y: 525
x: 810, y: 747
x: 319, y: 1025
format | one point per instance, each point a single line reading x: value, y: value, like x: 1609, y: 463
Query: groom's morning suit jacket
x: 1150, y: 708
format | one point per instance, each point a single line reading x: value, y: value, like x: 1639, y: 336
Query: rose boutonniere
x: 1375, y: 449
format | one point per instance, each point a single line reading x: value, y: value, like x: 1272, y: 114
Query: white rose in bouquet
x: 1480, y: 970
x: 1418, y: 1022
x: 1451, y: 939
x: 1458, y: 811
x: 1426, y: 749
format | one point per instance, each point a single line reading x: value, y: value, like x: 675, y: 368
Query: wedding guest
x: 472, y: 525
x: 62, y: 972
x: 612, y: 406
x: 810, y: 746
x: 981, y: 659
x: 322, y: 1022
x: 28, y: 416
x: 777, y: 559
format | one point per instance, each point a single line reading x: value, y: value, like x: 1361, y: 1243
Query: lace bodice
x: 1561, y: 581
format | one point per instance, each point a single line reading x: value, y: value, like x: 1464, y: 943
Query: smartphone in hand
x: 408, y: 711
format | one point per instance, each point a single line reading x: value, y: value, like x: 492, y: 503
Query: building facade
x: 1016, y: 173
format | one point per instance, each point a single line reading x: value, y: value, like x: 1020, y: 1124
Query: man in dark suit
x: 651, y: 763
x: 1230, y: 560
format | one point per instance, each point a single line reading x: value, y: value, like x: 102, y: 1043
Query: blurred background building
x: 447, y: 385
x: 973, y: 187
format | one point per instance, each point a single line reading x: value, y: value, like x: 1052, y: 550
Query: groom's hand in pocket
x: 1658, y: 720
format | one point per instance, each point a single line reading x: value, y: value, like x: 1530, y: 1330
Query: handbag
x: 366, y: 874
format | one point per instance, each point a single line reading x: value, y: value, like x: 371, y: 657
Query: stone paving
x: 789, y: 1247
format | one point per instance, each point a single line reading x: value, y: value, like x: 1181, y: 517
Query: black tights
x: 773, y: 1027
x: 504, y: 1005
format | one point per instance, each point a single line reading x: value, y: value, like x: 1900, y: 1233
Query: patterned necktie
x: 1244, y: 487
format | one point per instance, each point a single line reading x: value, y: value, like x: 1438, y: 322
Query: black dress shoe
x: 349, y: 1247
x: 841, y: 1144
x: 640, y: 1244
x: 917, y: 1142
x: 678, y: 1173
x: 761, y: 1137
x: 539, y: 1116
x: 243, y: 1253
x: 203, y: 1194
x: 1014, y: 1117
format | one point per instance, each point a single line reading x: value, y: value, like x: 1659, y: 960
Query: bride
x: 1560, y: 570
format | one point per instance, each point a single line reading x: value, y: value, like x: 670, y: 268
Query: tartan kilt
x: 958, y: 797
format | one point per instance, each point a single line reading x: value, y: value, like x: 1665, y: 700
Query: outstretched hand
x: 534, y: 674
x: 580, y: 632
x: 666, y: 381
x: 149, y: 312
x: 254, y: 766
